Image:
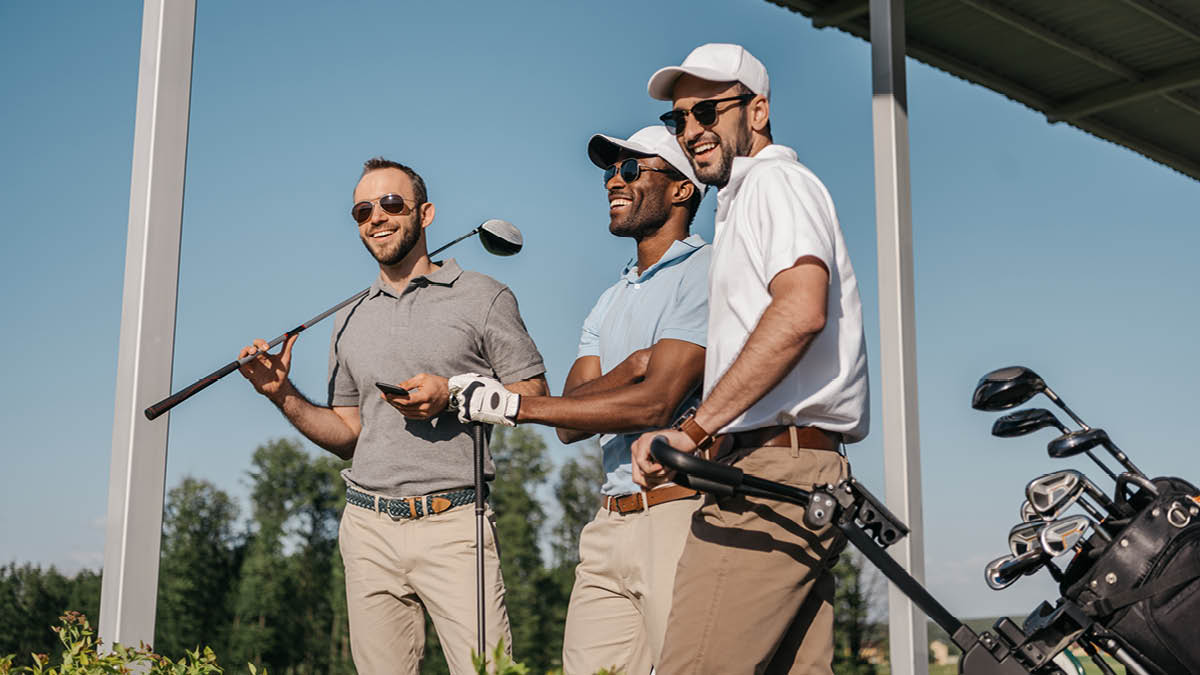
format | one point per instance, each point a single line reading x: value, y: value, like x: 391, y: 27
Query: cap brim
x: 603, y: 150
x: 662, y: 82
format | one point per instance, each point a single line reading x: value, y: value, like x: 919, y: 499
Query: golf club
x: 1061, y: 536
x: 1025, y: 537
x: 1053, y: 493
x: 1029, y: 420
x: 1005, y: 388
x: 1028, y: 513
x: 1003, y: 571
x: 1074, y: 442
x: 499, y: 237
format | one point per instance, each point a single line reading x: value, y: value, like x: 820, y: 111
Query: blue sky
x: 1034, y: 244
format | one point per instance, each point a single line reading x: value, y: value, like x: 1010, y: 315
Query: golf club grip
x: 694, y: 466
x: 189, y: 391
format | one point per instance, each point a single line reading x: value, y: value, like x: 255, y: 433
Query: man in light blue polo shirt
x: 640, y: 364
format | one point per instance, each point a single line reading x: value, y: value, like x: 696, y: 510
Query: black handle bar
x: 721, y: 479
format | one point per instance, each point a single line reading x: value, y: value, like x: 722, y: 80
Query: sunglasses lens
x: 673, y: 120
x: 705, y: 112
x: 361, y: 211
x: 393, y: 204
x: 629, y: 170
x: 609, y: 173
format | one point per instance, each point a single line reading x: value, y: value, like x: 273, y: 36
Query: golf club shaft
x: 194, y: 388
x: 1102, y: 465
x: 480, y: 443
x: 197, y: 386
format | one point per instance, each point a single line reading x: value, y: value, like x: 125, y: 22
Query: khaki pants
x: 622, y: 595
x: 397, y: 568
x: 753, y: 591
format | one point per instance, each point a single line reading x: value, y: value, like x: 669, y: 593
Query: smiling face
x: 639, y: 208
x: 711, y: 149
x: 390, y: 237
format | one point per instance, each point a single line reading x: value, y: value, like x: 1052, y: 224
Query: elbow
x: 809, y: 324
x: 658, y: 414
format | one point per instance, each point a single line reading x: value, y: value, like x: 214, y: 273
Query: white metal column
x: 907, y: 628
x: 139, y: 447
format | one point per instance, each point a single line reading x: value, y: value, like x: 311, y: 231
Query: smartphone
x: 392, y: 389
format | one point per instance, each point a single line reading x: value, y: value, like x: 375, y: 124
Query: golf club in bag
x: 499, y: 237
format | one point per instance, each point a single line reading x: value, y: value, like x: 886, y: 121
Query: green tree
x: 576, y: 492
x: 854, y: 605
x: 31, y: 599
x: 197, y: 569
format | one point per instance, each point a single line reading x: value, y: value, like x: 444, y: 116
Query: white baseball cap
x: 649, y: 142
x: 715, y: 62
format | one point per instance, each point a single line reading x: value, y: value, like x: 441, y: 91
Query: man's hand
x: 268, y: 372
x: 649, y: 473
x: 428, y: 397
x: 482, y: 399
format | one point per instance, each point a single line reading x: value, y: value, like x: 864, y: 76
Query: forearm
x: 632, y: 408
x: 772, y: 350
x: 621, y: 376
x: 318, y: 424
x: 534, y: 386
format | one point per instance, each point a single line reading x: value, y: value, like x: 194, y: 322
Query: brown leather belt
x: 635, y: 502
x: 780, y: 436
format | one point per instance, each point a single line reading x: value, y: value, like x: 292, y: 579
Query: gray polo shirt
x: 445, y: 323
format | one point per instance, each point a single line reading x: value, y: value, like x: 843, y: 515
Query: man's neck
x: 652, y: 248
x: 415, y: 264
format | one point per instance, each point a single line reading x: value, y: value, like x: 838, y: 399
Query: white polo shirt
x: 773, y: 212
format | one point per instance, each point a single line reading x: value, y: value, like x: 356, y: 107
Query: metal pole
x: 139, y: 447
x: 908, y: 634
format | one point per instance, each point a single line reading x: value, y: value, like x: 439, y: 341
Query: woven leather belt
x: 634, y: 502
x: 412, y: 507
x: 780, y: 436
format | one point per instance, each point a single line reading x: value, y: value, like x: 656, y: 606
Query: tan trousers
x: 397, y: 568
x: 753, y: 591
x: 622, y: 595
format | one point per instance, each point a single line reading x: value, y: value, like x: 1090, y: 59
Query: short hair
x: 376, y: 163
x: 743, y: 89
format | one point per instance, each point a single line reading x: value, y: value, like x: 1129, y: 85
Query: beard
x: 394, y: 251
x: 642, y: 221
x: 717, y: 173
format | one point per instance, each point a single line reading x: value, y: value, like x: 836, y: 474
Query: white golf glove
x: 482, y: 399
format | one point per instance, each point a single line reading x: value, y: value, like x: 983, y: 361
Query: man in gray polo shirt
x: 641, y: 361
x: 404, y: 543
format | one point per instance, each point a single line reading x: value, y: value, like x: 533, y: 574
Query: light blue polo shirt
x: 668, y: 300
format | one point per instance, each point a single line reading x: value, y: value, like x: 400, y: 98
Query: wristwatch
x: 694, y: 431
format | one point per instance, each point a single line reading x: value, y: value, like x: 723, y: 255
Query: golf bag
x: 1144, y: 587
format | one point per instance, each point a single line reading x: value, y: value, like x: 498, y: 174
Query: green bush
x: 81, y: 656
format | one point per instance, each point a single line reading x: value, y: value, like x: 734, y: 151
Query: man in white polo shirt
x: 640, y: 364
x: 785, y: 382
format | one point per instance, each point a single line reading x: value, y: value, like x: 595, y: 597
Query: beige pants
x: 753, y: 591
x: 396, y: 568
x: 622, y: 595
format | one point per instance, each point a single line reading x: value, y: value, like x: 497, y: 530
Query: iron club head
x: 1023, y: 537
x: 1061, y: 536
x: 1052, y: 493
x: 1028, y: 513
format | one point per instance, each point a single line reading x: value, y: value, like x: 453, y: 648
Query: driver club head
x: 1007, y: 387
x: 1024, y: 422
x: 500, y: 237
x: 1076, y: 442
x: 1053, y: 493
x: 1024, y: 537
x: 1062, y: 536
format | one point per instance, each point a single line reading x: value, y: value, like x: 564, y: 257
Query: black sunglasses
x: 705, y: 113
x: 630, y: 170
x: 390, y: 203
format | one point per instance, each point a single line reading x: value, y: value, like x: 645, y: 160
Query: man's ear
x: 760, y: 113
x: 683, y: 191
x: 427, y: 212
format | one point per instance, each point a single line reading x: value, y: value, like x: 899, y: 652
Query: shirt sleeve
x: 687, y: 318
x: 343, y: 390
x: 589, y: 336
x: 793, y: 218
x: 506, y: 342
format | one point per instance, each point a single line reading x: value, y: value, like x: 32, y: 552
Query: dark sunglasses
x: 390, y: 203
x: 705, y: 113
x: 630, y: 170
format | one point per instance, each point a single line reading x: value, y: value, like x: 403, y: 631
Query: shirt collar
x: 444, y: 274
x: 680, y: 248
x: 742, y: 166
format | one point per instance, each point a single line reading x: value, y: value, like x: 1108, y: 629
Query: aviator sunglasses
x: 630, y: 170
x: 390, y: 203
x: 705, y: 113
